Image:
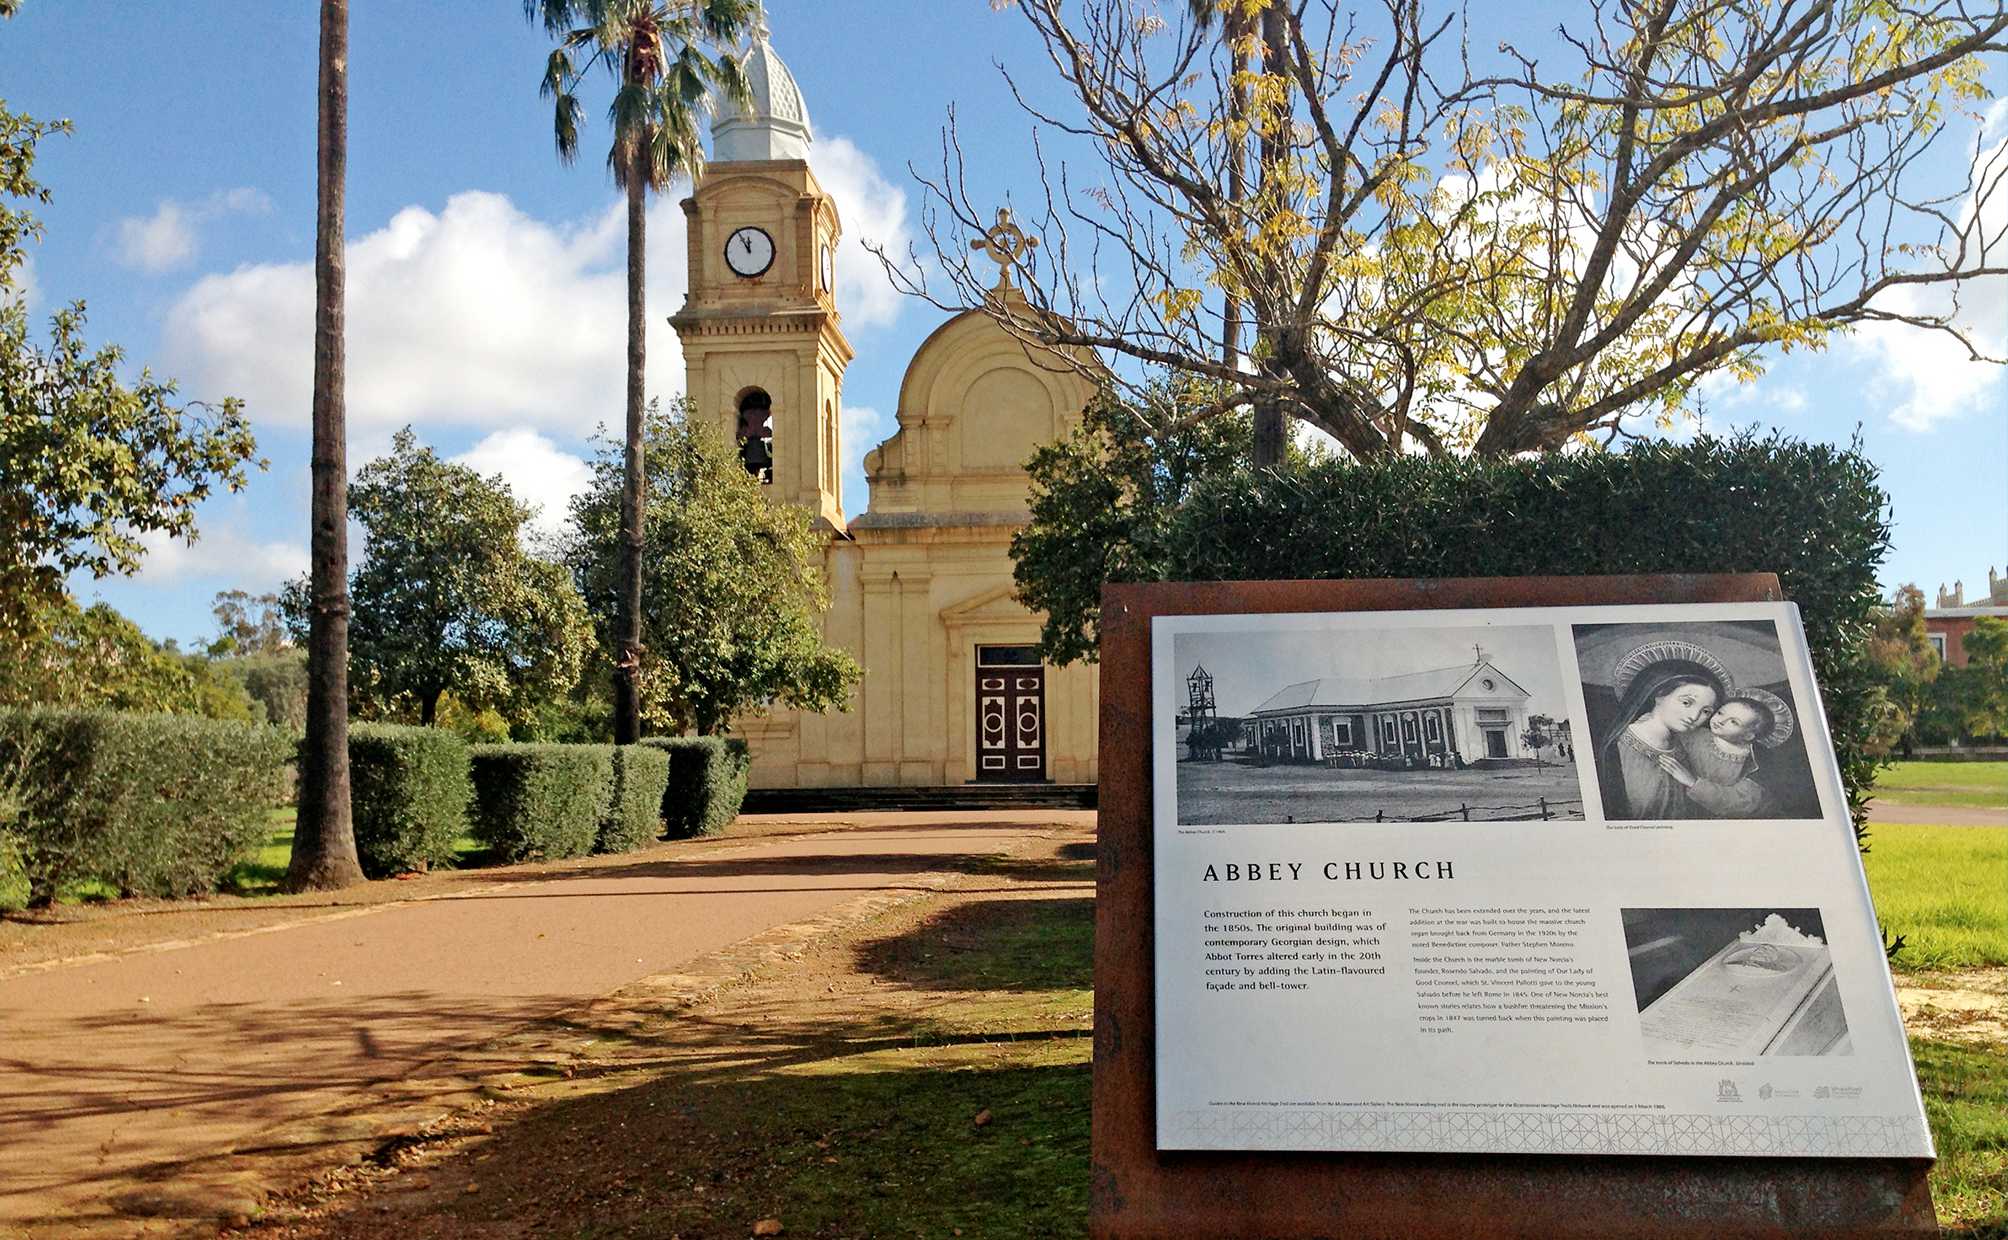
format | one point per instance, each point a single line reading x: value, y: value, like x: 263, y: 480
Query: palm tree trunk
x: 627, y: 687
x: 1269, y: 427
x: 324, y: 839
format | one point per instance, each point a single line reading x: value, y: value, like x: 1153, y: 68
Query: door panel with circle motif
x: 1010, y: 724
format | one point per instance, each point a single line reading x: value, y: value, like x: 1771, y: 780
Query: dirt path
x: 177, y: 1076
x: 1882, y: 809
x: 922, y: 1072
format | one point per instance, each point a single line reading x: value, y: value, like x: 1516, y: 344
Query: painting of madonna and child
x: 1694, y: 720
x: 1462, y: 723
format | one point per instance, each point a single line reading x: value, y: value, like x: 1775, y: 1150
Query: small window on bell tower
x: 756, y: 434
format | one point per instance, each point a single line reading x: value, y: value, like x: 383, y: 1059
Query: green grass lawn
x: 1975, y: 785
x: 262, y: 872
x: 1945, y: 889
x: 1966, y: 1098
x: 257, y: 875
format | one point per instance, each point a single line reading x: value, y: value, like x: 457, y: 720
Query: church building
x: 1474, y: 715
x: 920, y: 583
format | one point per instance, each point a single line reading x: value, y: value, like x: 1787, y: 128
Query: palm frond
x: 558, y: 74
x: 728, y: 77
x: 726, y: 22
x: 565, y: 125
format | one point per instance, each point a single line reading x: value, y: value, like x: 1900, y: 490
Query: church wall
x: 924, y: 579
x: 914, y: 610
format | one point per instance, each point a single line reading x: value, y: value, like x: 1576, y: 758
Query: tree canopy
x: 1904, y: 664
x: 446, y: 598
x: 94, y: 658
x: 1441, y: 247
x: 89, y: 463
x: 733, y: 591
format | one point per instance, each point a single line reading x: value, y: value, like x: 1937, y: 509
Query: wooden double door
x: 1010, y: 715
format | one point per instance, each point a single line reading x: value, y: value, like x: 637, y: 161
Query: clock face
x: 829, y: 269
x: 749, y: 251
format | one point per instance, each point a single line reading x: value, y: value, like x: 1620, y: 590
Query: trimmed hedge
x: 707, y: 783
x: 1812, y: 513
x: 634, y: 812
x: 408, y: 789
x: 155, y: 805
x: 540, y: 800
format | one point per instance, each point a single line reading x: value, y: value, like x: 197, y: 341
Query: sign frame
x: 1140, y: 1191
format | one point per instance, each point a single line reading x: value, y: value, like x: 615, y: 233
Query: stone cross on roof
x: 1005, y: 243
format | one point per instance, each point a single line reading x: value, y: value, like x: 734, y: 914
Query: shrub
x: 634, y: 813
x: 707, y: 783
x: 1811, y: 513
x: 408, y: 788
x: 540, y: 800
x: 159, y: 805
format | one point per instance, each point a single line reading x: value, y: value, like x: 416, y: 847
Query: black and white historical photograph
x: 1419, y: 724
x: 1731, y: 984
x: 1694, y: 720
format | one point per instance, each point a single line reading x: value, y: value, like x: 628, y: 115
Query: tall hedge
x: 408, y: 790
x: 634, y: 811
x: 707, y: 783
x: 155, y: 805
x: 545, y: 801
x: 1814, y: 514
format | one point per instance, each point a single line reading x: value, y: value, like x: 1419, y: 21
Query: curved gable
x: 974, y: 405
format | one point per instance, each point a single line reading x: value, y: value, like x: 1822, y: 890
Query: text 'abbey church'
x: 920, y: 583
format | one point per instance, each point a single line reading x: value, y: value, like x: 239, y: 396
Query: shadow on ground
x: 1044, y: 944
x: 864, y: 1100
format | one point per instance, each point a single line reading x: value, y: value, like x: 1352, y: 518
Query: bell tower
x: 763, y: 350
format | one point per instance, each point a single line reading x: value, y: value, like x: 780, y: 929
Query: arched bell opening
x: 756, y: 434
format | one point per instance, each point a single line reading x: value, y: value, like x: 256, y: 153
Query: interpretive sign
x: 1512, y: 880
x: 1475, y: 877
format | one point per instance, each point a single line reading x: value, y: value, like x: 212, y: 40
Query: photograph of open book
x: 1729, y: 985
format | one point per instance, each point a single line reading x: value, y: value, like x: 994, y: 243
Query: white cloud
x: 168, y: 238
x: 537, y: 470
x: 1723, y: 392
x: 222, y: 553
x: 480, y: 315
x: 1927, y: 376
x: 860, y: 428
x: 22, y: 288
x: 157, y: 242
x: 873, y: 210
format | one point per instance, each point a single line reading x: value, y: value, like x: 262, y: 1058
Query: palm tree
x: 324, y: 839
x: 655, y: 52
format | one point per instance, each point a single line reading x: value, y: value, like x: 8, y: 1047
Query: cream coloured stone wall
x: 924, y: 579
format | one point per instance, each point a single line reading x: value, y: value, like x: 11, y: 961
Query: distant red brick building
x: 1948, y: 623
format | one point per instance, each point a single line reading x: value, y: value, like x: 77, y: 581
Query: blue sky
x: 485, y: 279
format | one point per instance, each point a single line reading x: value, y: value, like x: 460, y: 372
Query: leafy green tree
x: 1971, y: 703
x: 655, y: 52
x: 1101, y: 500
x: 248, y: 624
x: 1986, y: 698
x: 89, y: 463
x: 733, y: 586
x: 277, y: 682
x: 1904, y: 664
x: 1455, y: 242
x: 446, y: 599
x: 95, y: 658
